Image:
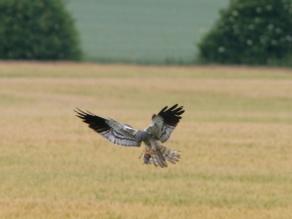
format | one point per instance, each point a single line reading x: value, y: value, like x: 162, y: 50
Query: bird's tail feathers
x: 160, y: 156
x: 170, y: 155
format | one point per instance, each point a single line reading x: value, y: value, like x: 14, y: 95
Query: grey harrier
x: 158, y: 131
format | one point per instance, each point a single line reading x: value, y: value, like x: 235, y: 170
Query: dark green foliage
x: 250, y: 32
x: 37, y: 29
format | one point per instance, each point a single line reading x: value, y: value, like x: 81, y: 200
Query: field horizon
x: 235, y: 139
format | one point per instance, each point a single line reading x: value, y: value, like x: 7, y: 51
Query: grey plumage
x: 159, y: 130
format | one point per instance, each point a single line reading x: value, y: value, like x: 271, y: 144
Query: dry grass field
x: 235, y: 139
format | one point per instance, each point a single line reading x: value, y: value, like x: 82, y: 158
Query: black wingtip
x: 80, y: 113
x: 172, y: 115
x: 163, y: 109
x: 173, y: 107
x: 94, y: 122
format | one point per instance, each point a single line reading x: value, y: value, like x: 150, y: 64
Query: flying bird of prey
x: 156, y: 133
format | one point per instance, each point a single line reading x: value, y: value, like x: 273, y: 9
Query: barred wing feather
x: 110, y: 129
x: 165, y: 122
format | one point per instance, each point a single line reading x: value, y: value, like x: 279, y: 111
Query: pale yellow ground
x: 235, y: 140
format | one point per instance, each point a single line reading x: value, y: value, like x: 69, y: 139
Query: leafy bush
x: 250, y: 32
x: 37, y: 29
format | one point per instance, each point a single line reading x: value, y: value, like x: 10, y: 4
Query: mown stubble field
x: 235, y: 139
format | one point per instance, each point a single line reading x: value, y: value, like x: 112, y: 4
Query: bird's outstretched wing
x: 110, y: 129
x: 165, y: 122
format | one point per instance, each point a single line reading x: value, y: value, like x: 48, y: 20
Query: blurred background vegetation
x: 251, y: 32
x: 148, y: 32
x: 38, y: 30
